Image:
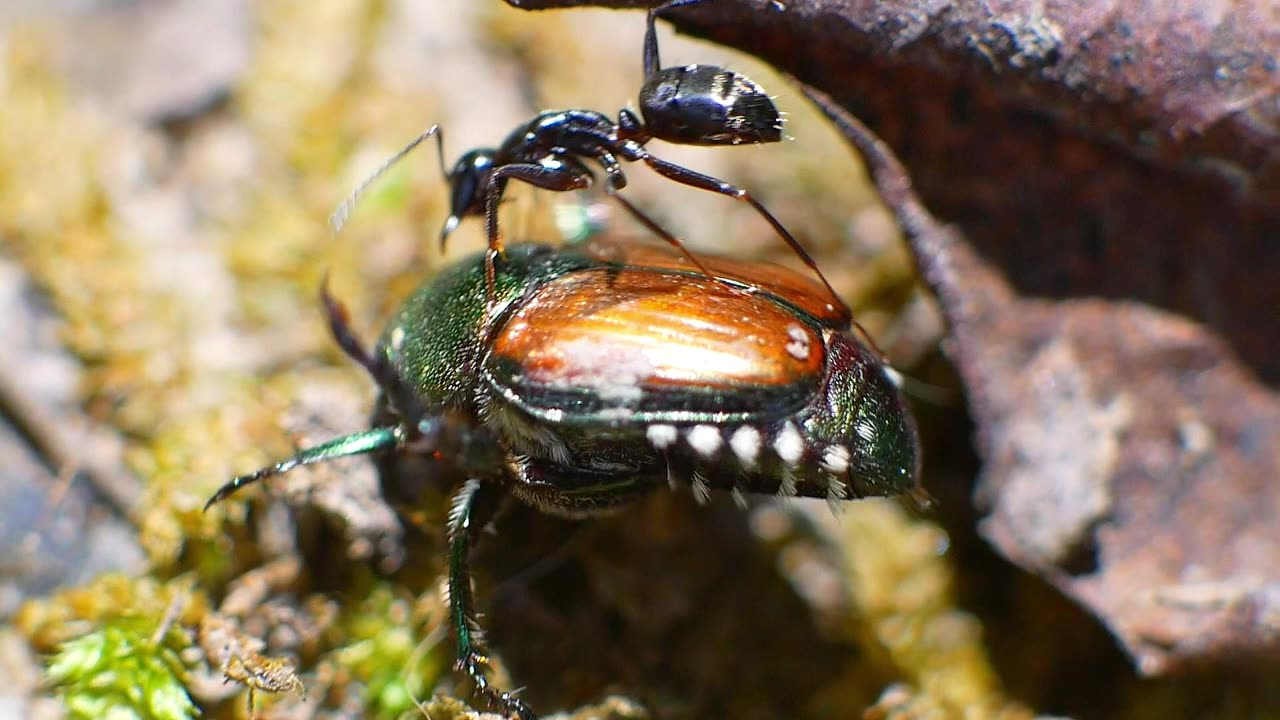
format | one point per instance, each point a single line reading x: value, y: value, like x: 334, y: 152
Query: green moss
x: 119, y: 672
x: 395, y: 649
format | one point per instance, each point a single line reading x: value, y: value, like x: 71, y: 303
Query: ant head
x: 708, y: 105
x: 466, y: 185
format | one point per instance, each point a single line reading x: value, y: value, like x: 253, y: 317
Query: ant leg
x: 672, y: 240
x: 471, y: 656
x: 651, y: 62
x: 618, y: 180
x: 685, y: 176
x: 551, y: 173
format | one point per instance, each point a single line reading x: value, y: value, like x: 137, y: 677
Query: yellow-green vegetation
x: 397, y: 648
x: 114, y: 647
x: 906, y: 602
x: 118, y: 672
x: 141, y: 603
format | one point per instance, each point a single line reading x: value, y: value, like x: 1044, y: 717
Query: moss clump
x: 119, y: 671
x: 395, y: 650
x: 50, y: 622
x: 116, y: 645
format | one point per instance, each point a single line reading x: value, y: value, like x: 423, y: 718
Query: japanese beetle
x: 602, y: 372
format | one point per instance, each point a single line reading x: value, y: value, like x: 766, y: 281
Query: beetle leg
x: 575, y: 491
x: 692, y: 178
x: 471, y: 654
x: 370, y: 441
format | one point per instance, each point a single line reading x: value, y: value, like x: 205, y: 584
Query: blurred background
x: 167, y: 168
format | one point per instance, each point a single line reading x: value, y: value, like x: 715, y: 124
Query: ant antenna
x: 340, y: 214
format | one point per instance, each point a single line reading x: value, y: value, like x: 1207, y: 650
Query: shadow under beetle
x: 601, y: 373
x: 689, y: 105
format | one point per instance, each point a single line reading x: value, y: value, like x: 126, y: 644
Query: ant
x: 690, y: 105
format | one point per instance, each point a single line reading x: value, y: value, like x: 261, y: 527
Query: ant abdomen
x: 708, y: 105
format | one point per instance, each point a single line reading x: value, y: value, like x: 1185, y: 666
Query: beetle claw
x: 514, y: 707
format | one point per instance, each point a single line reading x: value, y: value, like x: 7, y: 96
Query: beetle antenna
x: 920, y: 500
x: 340, y: 327
x: 346, y: 446
x: 925, y: 392
x: 340, y: 214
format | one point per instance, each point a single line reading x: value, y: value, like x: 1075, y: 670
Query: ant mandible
x: 689, y: 105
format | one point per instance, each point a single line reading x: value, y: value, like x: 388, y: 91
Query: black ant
x: 690, y: 105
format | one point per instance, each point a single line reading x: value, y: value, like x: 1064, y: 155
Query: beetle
x: 602, y: 372
x: 688, y: 104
